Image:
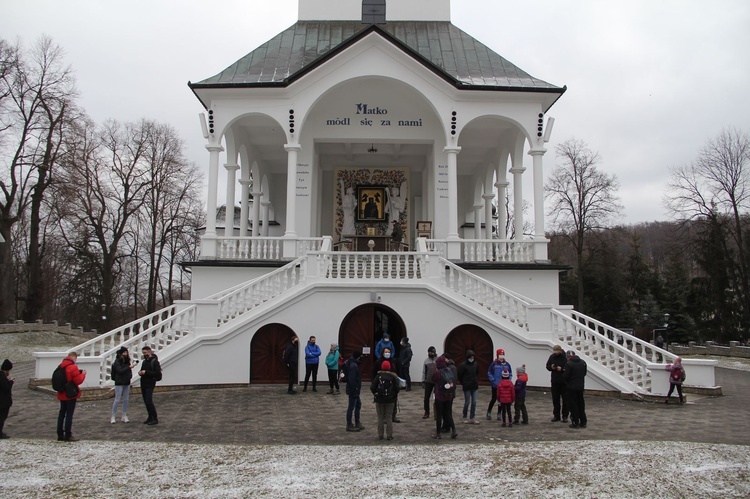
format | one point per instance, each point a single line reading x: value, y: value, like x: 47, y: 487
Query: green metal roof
x: 439, y: 45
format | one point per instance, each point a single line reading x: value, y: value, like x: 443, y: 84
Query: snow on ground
x: 19, y: 347
x: 33, y: 468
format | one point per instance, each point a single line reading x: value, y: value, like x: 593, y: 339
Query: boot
x: 351, y: 427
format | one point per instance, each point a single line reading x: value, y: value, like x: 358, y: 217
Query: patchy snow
x: 31, y: 468
x: 738, y: 363
x: 19, y: 347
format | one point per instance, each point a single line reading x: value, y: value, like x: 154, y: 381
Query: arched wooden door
x: 266, y: 351
x: 474, y: 338
x: 364, y: 327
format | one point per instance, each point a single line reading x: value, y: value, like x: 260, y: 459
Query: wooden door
x: 266, y: 351
x: 474, y: 338
x: 364, y: 327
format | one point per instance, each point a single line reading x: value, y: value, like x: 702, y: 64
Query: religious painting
x: 371, y: 203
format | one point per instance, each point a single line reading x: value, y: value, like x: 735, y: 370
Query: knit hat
x: 500, y: 352
x: 570, y: 353
x: 431, y: 349
x: 7, y: 365
x: 385, y: 366
x: 506, y: 374
x: 522, y: 369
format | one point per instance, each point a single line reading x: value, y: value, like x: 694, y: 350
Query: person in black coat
x: 468, y: 376
x: 121, y: 374
x: 556, y: 365
x: 353, y: 388
x: 291, y: 358
x: 150, y: 373
x: 404, y: 361
x: 6, y: 398
x: 574, y: 376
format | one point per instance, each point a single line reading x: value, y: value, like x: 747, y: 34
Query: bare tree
x: 582, y: 200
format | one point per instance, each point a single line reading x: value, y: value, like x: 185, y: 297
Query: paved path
x: 267, y: 415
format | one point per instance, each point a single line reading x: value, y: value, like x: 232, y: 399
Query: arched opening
x: 266, y: 351
x: 363, y: 327
x: 474, y: 338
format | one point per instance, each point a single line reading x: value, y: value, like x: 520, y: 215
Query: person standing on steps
x: 121, y: 374
x: 428, y: 369
x: 6, y: 398
x: 332, y: 365
x: 291, y: 358
x: 150, y: 373
x: 353, y: 388
x: 574, y: 376
x: 68, y: 404
x: 556, y: 366
x: 312, y: 359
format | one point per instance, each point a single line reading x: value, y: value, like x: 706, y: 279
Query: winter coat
x: 441, y: 394
x: 152, y: 370
x: 520, y: 386
x: 332, y: 360
x: 428, y: 369
x: 676, y: 369
x: 495, y: 372
x: 382, y: 345
x: 291, y: 356
x: 468, y: 375
x: 353, y: 378
x: 376, y: 381
x: 574, y: 374
x: 6, y: 385
x: 556, y: 360
x: 121, y: 371
x: 404, y: 358
x: 72, y: 373
x: 312, y: 353
x: 506, y: 392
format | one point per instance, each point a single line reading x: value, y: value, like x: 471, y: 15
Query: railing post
x: 207, y: 313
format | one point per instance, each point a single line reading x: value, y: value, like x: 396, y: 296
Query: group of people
x: 567, y: 379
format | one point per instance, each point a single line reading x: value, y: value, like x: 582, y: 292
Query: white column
x: 245, y: 207
x: 517, y: 172
x: 452, y: 153
x: 257, y: 197
x: 502, y: 214
x: 540, y: 246
x: 266, y: 205
x: 478, y: 221
x: 213, y: 181
x: 488, y: 215
x: 231, y: 187
x: 291, y: 189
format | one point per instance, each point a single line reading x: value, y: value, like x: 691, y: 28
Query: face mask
x: 471, y: 360
x: 387, y: 355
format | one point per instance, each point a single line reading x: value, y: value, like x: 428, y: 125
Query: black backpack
x: 385, y: 391
x: 59, y: 379
x: 448, y: 382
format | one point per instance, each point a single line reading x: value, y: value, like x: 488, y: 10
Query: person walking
x: 574, y: 376
x: 468, y: 376
x: 150, y: 373
x: 521, y: 415
x: 676, y: 378
x: 353, y: 388
x: 445, y: 390
x: 494, y: 374
x: 68, y: 403
x: 404, y: 362
x: 428, y: 369
x: 121, y: 374
x: 385, y: 388
x: 291, y: 358
x: 312, y: 359
x: 506, y: 395
x: 6, y: 397
x: 556, y: 366
x: 332, y: 365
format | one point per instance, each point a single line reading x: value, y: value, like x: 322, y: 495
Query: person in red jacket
x: 506, y: 395
x: 68, y: 404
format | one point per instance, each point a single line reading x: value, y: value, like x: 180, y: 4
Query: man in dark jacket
x: 468, y: 376
x: 353, y: 387
x: 68, y: 404
x: 291, y: 358
x: 150, y: 373
x: 404, y: 361
x: 574, y: 376
x: 556, y: 365
x: 385, y: 398
x: 6, y: 399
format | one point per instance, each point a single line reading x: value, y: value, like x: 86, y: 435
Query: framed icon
x: 371, y: 203
x: 424, y: 229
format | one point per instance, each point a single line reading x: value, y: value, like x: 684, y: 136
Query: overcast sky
x: 649, y: 81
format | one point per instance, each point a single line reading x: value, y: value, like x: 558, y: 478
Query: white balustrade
x: 344, y: 265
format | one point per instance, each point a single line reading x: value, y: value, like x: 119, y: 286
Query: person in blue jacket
x: 312, y: 359
x: 495, y: 375
x: 385, y: 342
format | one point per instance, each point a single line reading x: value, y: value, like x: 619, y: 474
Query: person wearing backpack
x: 121, y: 374
x: 6, y: 398
x: 150, y: 373
x: 444, y: 379
x: 385, y: 388
x: 68, y: 403
x: 676, y: 378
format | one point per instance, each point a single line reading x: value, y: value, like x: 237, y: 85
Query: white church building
x: 371, y: 148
